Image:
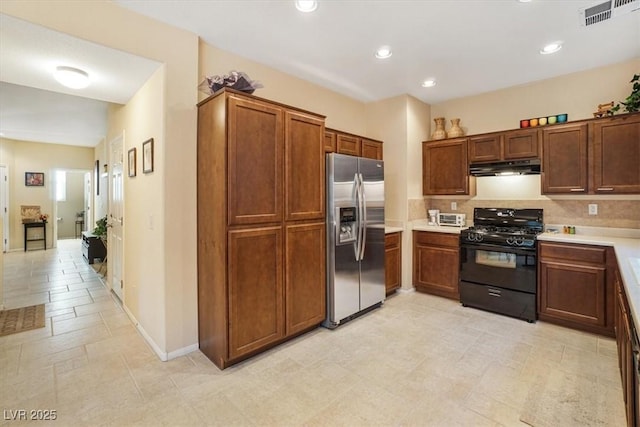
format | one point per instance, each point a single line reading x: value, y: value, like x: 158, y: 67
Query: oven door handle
x: 498, y: 248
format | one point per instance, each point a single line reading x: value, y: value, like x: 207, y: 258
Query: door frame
x: 4, y: 203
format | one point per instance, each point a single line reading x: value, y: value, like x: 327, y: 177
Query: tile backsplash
x: 611, y: 213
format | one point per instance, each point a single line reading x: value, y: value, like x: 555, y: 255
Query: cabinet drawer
x: 391, y: 240
x: 588, y: 254
x: 436, y: 239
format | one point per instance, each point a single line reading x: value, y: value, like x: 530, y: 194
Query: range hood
x: 516, y: 167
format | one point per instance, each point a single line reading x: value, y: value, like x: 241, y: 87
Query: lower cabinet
x: 275, y: 289
x: 256, y: 316
x: 626, y: 339
x: 436, y: 263
x: 575, y: 287
x: 305, y: 284
x: 392, y: 262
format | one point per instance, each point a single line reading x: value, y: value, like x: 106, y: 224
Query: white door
x: 116, y: 216
x: 87, y: 217
x: 4, y: 207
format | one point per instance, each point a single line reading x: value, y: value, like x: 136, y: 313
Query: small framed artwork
x: 147, y: 156
x: 97, y: 177
x: 34, y: 179
x: 132, y: 162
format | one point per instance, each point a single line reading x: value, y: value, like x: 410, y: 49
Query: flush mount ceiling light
x: 71, y: 77
x: 306, y: 5
x: 551, y: 48
x: 429, y: 83
x: 384, y: 52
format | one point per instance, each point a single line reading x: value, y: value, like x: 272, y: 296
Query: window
x: 61, y: 186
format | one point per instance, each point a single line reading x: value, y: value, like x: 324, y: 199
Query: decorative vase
x: 439, y: 133
x: 455, y: 130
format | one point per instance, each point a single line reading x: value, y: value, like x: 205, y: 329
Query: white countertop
x: 423, y: 225
x: 390, y: 229
x: 626, y: 244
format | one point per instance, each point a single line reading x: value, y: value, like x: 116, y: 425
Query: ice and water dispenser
x: 346, y: 229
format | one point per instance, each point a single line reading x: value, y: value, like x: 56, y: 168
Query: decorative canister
x: 455, y: 130
x: 439, y: 133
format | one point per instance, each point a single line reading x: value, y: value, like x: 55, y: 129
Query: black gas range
x: 498, y: 261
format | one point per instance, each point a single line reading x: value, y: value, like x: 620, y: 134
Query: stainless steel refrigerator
x: 355, y: 237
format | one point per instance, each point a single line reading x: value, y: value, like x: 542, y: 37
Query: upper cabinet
x: 445, y: 169
x: 598, y: 156
x: 371, y: 149
x: 348, y: 144
x: 521, y: 144
x: 615, y: 144
x: 564, y: 159
x: 510, y: 145
x: 345, y: 143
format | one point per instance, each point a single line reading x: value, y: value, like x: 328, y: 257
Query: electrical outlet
x: 454, y: 206
x: 593, y: 209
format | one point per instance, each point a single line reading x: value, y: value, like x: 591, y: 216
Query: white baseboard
x: 162, y: 355
x: 406, y: 291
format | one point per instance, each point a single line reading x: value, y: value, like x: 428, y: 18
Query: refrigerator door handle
x: 356, y: 196
x: 363, y: 223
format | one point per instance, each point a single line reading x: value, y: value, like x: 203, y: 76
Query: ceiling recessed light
x: 429, y: 83
x: 551, y: 48
x: 524, y: 1
x: 71, y: 77
x: 384, y: 52
x: 306, y: 5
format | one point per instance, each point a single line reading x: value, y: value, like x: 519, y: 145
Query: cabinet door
x: 348, y: 144
x: 564, y: 159
x: 329, y: 141
x: 305, y: 282
x: 255, y: 150
x: 436, y: 268
x: 616, y: 155
x: 392, y: 262
x: 255, y: 289
x: 304, y: 167
x: 573, y: 292
x: 521, y: 144
x: 371, y: 149
x: 485, y: 148
x: 445, y: 167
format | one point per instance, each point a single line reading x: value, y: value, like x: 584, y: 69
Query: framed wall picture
x: 147, y: 156
x: 97, y: 177
x: 132, y: 162
x: 34, y: 179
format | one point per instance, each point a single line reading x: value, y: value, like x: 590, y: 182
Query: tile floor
x: 419, y: 360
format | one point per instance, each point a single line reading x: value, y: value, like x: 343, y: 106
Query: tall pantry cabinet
x: 261, y: 229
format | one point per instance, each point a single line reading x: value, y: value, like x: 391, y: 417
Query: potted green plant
x: 101, y: 228
x: 632, y: 103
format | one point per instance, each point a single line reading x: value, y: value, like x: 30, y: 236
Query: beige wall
x: 577, y: 94
x: 144, y: 281
x: 342, y: 113
x: 24, y: 156
x: 106, y: 23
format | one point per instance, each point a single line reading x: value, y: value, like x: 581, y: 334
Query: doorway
x: 71, y: 203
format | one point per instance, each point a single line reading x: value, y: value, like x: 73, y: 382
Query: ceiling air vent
x: 607, y: 10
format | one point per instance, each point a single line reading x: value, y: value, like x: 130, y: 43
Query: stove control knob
x: 478, y: 237
x: 511, y: 241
